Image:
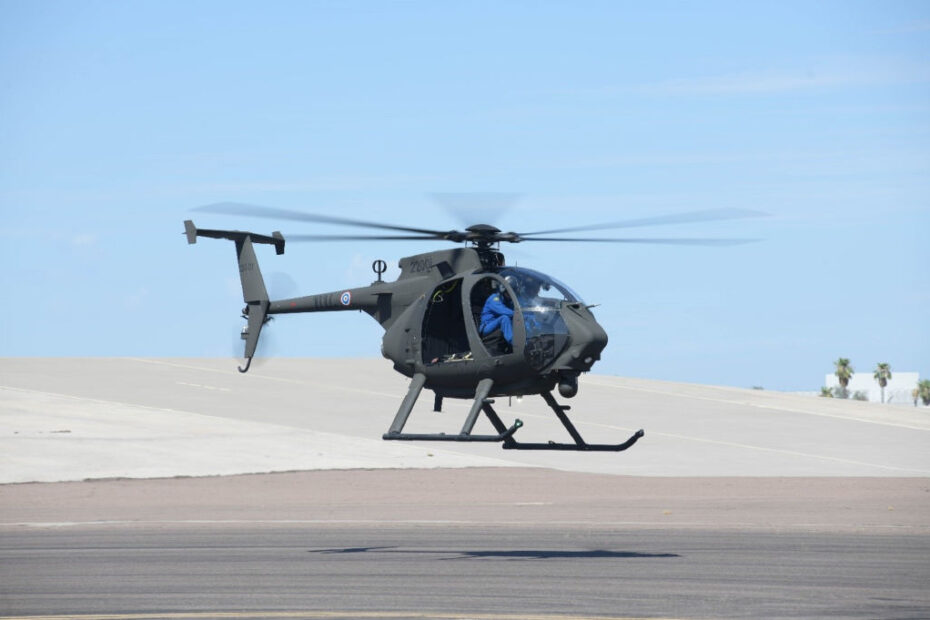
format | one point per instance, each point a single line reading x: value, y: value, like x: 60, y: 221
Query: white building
x: 897, y: 392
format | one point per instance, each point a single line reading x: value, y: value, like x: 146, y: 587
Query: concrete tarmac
x: 71, y: 419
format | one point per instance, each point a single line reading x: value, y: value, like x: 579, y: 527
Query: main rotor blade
x: 708, y: 215
x: 290, y: 238
x: 250, y: 210
x: 659, y: 241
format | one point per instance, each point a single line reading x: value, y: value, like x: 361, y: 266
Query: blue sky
x: 117, y: 118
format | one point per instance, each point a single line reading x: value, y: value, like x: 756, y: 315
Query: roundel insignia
x: 346, y: 298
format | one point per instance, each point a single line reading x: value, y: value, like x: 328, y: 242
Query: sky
x: 118, y: 118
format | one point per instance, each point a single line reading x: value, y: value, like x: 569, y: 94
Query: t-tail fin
x: 254, y: 293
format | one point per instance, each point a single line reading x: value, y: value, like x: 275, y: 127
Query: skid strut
x: 580, y: 444
x: 481, y: 394
x: 505, y: 434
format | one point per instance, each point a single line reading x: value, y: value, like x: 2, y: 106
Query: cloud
x: 135, y: 299
x: 850, y: 73
x: 318, y: 184
x: 920, y: 25
x: 84, y: 240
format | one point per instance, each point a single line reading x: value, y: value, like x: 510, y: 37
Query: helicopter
x: 459, y: 322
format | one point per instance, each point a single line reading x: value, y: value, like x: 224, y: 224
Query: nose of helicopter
x: 588, y: 338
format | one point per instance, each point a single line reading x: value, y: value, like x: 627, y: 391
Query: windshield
x: 540, y: 298
x: 535, y: 290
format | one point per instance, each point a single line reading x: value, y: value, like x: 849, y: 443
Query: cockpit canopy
x: 535, y: 290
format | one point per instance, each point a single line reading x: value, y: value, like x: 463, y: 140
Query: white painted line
x: 314, y: 615
x: 322, y: 386
x: 205, y: 387
x: 746, y: 403
x: 660, y: 522
x: 744, y: 446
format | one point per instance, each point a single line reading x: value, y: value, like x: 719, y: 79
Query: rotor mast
x: 486, y: 240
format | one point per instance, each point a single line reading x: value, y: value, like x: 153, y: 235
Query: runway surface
x: 736, y: 504
x: 497, y: 542
x: 430, y: 570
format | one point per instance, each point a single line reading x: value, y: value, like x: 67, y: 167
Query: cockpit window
x: 540, y: 298
x: 537, y: 290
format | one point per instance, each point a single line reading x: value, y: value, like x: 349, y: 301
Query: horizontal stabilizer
x: 276, y: 239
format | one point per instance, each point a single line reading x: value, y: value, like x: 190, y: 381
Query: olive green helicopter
x: 459, y: 322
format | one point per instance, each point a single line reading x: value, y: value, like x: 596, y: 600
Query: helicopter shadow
x: 504, y: 554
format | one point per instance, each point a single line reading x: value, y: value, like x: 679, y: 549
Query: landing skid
x: 505, y: 435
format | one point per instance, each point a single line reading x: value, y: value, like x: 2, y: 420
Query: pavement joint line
x: 732, y: 444
x: 205, y: 387
x: 168, y: 410
x: 99, y: 400
x: 748, y: 403
x: 325, y: 386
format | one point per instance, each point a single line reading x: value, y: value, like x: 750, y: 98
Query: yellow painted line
x: 239, y: 615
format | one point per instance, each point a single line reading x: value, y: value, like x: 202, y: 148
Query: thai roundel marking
x: 346, y: 298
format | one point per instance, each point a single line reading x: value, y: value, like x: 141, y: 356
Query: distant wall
x: 897, y: 392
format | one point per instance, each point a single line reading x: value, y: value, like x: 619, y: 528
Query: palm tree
x: 826, y: 392
x: 882, y: 374
x: 844, y: 372
x: 923, y: 390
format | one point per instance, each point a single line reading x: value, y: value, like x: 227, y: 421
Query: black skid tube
x: 504, y: 436
x: 583, y: 447
x: 580, y: 444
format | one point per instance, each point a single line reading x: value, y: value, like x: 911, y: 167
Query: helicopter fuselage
x: 432, y: 320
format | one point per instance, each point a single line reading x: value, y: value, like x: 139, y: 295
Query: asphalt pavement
x: 461, y: 572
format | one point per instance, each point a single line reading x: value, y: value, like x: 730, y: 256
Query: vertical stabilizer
x: 254, y: 293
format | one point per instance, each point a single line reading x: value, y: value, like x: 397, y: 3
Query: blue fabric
x: 505, y: 323
x: 496, y: 314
